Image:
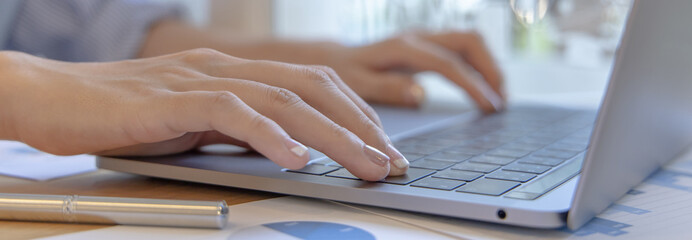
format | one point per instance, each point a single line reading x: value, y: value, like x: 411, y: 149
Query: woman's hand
x: 182, y: 101
x: 383, y: 72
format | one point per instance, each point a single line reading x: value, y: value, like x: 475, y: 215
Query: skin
x: 181, y: 95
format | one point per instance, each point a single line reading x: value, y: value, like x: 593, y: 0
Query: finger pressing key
x: 321, y: 91
x: 308, y: 126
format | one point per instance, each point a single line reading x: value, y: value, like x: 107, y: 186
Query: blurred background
x: 550, y: 50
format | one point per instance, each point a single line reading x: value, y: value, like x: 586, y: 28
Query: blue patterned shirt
x: 79, y: 30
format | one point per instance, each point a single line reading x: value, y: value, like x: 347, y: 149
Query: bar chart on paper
x: 660, y: 207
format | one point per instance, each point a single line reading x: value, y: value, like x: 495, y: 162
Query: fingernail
x: 416, y: 94
x: 296, y: 148
x: 376, y: 156
x: 493, y: 98
x: 399, y: 159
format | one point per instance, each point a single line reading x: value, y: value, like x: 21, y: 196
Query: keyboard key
x: 438, y: 183
x: 548, y: 161
x: 412, y: 174
x: 458, y: 175
x: 511, y: 176
x: 323, y: 161
x: 476, y: 167
x: 498, y: 139
x: 508, y: 134
x: 450, y: 156
x: 315, y: 169
x: 549, y: 181
x: 327, y: 162
x: 472, y: 130
x: 513, y: 153
x: 523, y: 146
x: 412, y: 156
x: 466, y: 150
x: 443, y: 143
x: 431, y: 164
x: 342, y: 173
x: 562, y: 154
x: 420, y: 149
x: 535, y: 141
x: 497, y: 160
x: 487, y: 186
x: 566, y: 146
x: 487, y: 144
x: 527, y: 168
x: 576, y: 140
x: 459, y: 137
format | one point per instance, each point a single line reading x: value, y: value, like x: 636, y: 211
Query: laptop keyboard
x: 520, y: 153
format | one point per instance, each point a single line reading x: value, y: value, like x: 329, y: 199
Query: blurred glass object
x: 529, y: 11
x: 382, y: 18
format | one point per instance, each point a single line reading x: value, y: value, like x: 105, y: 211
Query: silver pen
x: 113, y: 210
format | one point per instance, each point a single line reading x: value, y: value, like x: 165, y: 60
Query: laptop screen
x: 646, y: 117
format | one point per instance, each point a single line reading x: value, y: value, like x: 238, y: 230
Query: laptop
x: 532, y: 166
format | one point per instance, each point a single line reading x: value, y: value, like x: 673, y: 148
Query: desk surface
x: 112, y: 184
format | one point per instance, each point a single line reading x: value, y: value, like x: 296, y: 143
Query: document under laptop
x: 533, y: 166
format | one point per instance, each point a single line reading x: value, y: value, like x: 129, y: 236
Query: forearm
x: 173, y: 36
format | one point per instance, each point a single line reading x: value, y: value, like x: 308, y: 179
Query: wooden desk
x: 112, y: 184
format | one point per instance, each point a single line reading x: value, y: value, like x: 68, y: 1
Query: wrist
x: 8, y: 79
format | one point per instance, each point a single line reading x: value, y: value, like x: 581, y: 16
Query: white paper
x: 296, y: 218
x: 19, y: 160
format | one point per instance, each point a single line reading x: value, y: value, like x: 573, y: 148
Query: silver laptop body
x: 644, y: 121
